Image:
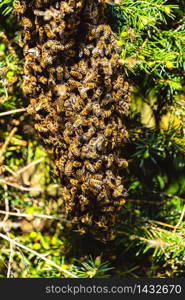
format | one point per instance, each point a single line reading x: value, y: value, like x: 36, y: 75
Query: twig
x: 33, y: 163
x: 3, y: 149
x: 48, y: 261
x: 29, y: 215
x: 10, y: 112
x: 161, y: 223
x: 10, y: 260
x: 20, y: 187
x: 180, y: 219
x: 6, y: 203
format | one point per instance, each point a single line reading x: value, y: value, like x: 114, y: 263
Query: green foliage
x: 7, y: 6
x: 152, y: 36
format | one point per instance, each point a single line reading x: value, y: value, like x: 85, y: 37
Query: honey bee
x: 89, y: 166
x: 98, y: 93
x: 74, y: 182
x: 79, y: 122
x: 27, y: 36
x: 46, y: 59
x: 30, y: 110
x: 106, y: 113
x: 43, y: 80
x: 49, y: 32
x: 122, y: 163
x: 41, y: 33
x: 86, y: 219
x: 76, y: 74
x: 88, y: 135
x: 68, y: 170
x: 87, y: 109
x: 84, y: 187
x: 107, y: 209
x: 65, y: 8
x: 59, y: 73
x: 52, y: 126
x: 58, y: 28
x: 48, y: 14
x: 53, y: 46
x: 82, y: 67
x: 97, y: 184
x: 96, y: 109
x: 85, y: 50
x: 81, y: 231
x: 19, y: 8
x: 61, y: 89
x: 80, y: 174
x: 69, y: 45
x: 83, y: 200
x: 101, y: 224
x: 35, y: 51
x: 118, y: 191
x: 74, y: 84
x: 99, y: 49
x: 40, y: 127
x: 26, y: 23
x: 36, y: 68
x: 67, y: 197
x: 98, y: 165
x: 73, y: 148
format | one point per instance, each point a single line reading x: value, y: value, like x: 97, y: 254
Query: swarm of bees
x: 78, y: 98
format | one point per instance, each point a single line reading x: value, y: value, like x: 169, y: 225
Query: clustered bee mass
x: 78, y: 99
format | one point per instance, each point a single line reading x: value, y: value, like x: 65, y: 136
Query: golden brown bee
x: 87, y: 219
x: 107, y: 209
x: 101, y: 224
x: 69, y: 45
x: 30, y: 110
x: 53, y: 46
x: 59, y: 73
x: 73, y: 148
x: 61, y: 90
x: 98, y: 92
x: 106, y: 113
x: 81, y: 231
x: 40, y: 128
x: 58, y: 28
x: 36, y: 68
x: 41, y: 32
x: 74, y: 182
x: 89, y: 166
x: 80, y: 175
x: 49, y: 32
x: 26, y: 23
x: 19, y: 8
x: 74, y: 83
x: 122, y: 163
x: 52, y: 126
x: 118, y: 191
x: 87, y: 109
x: 27, y: 36
x: 96, y: 109
x: 76, y: 74
x: 83, y: 200
x: 46, y: 59
x: 65, y: 7
x: 79, y: 122
x: 43, y: 80
x: 96, y: 184
x: 98, y: 165
x: 82, y: 67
